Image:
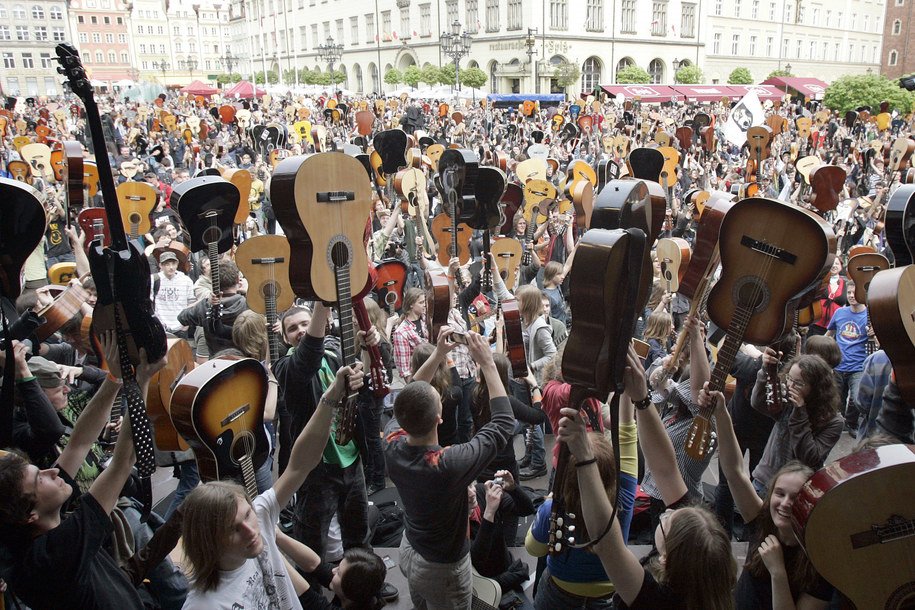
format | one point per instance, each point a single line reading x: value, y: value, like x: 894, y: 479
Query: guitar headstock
x: 699, y: 438
x: 72, y: 67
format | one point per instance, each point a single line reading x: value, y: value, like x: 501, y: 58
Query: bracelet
x: 328, y: 401
x: 586, y: 462
x: 26, y: 379
x: 114, y: 379
x: 643, y: 404
x: 536, y: 387
x: 450, y: 277
x: 273, y: 381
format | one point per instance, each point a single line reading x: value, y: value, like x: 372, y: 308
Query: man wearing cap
x: 36, y: 426
x: 173, y: 292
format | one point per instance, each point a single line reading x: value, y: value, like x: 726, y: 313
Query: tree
x: 324, y: 78
x: 412, y: 75
x: 259, y: 78
x: 740, y: 76
x: 289, y: 75
x: 307, y: 76
x: 431, y: 75
x: 566, y: 74
x: 447, y: 77
x: 631, y: 75
x: 393, y: 76
x: 689, y: 75
x: 272, y: 77
x: 473, y: 77
x: 223, y: 79
x: 851, y: 91
x: 235, y: 77
x: 775, y: 73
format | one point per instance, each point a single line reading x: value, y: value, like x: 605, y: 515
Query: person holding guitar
x: 173, y: 292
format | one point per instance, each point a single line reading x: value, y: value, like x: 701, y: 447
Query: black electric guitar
x: 121, y: 274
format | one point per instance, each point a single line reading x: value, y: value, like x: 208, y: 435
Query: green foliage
x: 473, y: 77
x: 853, y: 90
x: 272, y: 77
x: 740, y: 76
x: 689, y: 75
x: 235, y: 77
x: 432, y: 75
x: 774, y: 73
x: 393, y: 76
x: 447, y: 77
x: 224, y: 79
x: 307, y: 76
x: 566, y: 74
x: 412, y: 76
x: 631, y: 75
x: 259, y: 78
x: 323, y: 78
x: 289, y: 76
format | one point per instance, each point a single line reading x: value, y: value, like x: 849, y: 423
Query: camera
x: 499, y: 481
x: 459, y: 337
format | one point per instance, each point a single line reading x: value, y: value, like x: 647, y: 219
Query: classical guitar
x: 22, y: 226
x: 136, y: 200
x: 604, y: 289
x: 673, y: 255
x: 826, y: 182
x: 508, y: 252
x: 646, y: 164
x: 455, y: 168
x: 159, y: 397
x: 389, y: 286
x: 900, y: 224
x: 890, y: 301
x: 207, y: 206
x: 861, y: 269
x: 766, y: 267
x: 438, y: 301
x: 218, y: 408
x: 854, y: 518
x: 121, y: 275
x: 264, y: 261
x: 410, y: 184
x: 325, y: 225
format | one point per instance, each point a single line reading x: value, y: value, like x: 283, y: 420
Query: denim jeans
x: 550, y: 597
x: 370, y: 411
x: 464, y: 416
x: 188, y: 479
x: 166, y: 581
x: 537, y: 450
x: 848, y: 392
x: 331, y: 489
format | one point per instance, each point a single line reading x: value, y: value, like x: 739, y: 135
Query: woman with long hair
x: 410, y: 331
x: 808, y: 424
x: 777, y: 573
x: 695, y: 567
x: 370, y: 406
x: 431, y: 363
x: 659, y: 327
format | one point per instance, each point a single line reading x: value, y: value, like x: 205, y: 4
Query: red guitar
x: 855, y: 520
x: 392, y: 276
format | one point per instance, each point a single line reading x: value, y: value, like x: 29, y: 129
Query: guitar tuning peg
x: 571, y: 515
x: 559, y: 521
x: 571, y: 529
x: 571, y: 540
x: 557, y: 547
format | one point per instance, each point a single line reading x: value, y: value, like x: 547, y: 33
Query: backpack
x: 387, y: 527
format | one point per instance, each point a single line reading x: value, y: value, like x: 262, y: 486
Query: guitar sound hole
x: 242, y: 446
x: 212, y: 235
x: 751, y: 292
x: 134, y: 219
x: 339, y: 254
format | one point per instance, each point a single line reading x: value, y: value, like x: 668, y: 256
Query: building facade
x: 898, y: 57
x: 29, y: 31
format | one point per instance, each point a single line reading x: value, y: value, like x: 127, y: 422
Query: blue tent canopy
x: 513, y: 99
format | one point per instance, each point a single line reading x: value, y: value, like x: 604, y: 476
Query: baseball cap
x: 46, y: 372
x: 168, y: 256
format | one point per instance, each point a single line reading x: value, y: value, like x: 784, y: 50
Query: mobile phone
x: 388, y: 562
x: 459, y: 337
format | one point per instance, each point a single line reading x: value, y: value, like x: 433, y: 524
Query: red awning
x: 244, y: 90
x: 648, y: 93
x: 703, y: 93
x: 764, y: 92
x: 198, y: 88
x: 813, y: 88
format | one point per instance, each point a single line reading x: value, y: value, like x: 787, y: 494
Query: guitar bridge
x: 768, y: 250
x: 237, y: 413
x: 335, y: 196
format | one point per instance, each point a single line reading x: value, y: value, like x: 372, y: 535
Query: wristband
x: 114, y: 379
x: 586, y: 462
x: 537, y: 388
x: 26, y: 379
x: 643, y: 404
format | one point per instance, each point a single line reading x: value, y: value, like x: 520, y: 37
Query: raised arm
x: 699, y: 372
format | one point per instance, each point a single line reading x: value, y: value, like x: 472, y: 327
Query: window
x: 22, y: 32
x: 797, y: 48
x: 425, y: 26
x: 688, y: 21
x: 314, y: 35
x: 514, y: 15
x: 769, y: 41
x: 41, y: 32
x: 900, y: 2
x: 353, y: 30
x: 190, y: 30
x: 50, y: 85
x: 144, y: 65
x: 96, y: 37
x: 785, y: 44
x: 303, y: 37
x: 192, y: 47
x: 4, y: 32
x: 37, y: 12
x: 57, y: 34
x: 451, y: 9
x: 716, y: 43
x: 492, y: 15
x: 124, y: 59
x: 176, y: 30
x: 178, y: 46
x: 839, y: 20
x: 590, y: 74
x: 659, y: 18
x: 99, y: 58
x: 3, y: 14
x: 161, y: 49
x: 93, y: 19
x: 772, y: 11
x: 825, y: 51
x: 892, y: 61
x: 122, y: 38
x: 12, y: 84
x: 874, y: 58
x: 735, y: 44
x: 867, y: 23
x: 737, y: 8
x: 339, y: 24
x: 106, y: 20
x: 8, y: 61
x: 828, y: 17
x: 109, y: 38
x: 473, y: 15
x: 718, y: 8
x: 27, y: 61
x: 140, y: 29
x: 385, y: 24
x: 559, y: 14
x: 812, y: 51
x: 800, y: 13
x: 628, y: 15
x: 752, y: 49
x: 208, y: 65
x: 836, y: 53
x: 863, y: 52
x: 623, y: 64
x: 854, y: 21
x: 112, y: 57
x: 816, y: 17
x: 143, y: 49
x: 31, y: 85
x: 594, y: 17
x: 877, y: 28
x: 18, y: 12
x: 656, y: 70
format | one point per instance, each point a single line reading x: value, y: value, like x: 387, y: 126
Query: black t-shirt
x: 68, y: 568
x: 58, y: 242
x: 654, y: 596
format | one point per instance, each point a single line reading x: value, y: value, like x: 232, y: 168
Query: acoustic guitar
x: 159, y: 397
x: 861, y: 269
x: 218, y: 408
x: 136, y: 200
x: 854, y: 519
x: 264, y: 261
x: 646, y: 164
x: 673, y: 255
x: 241, y: 178
x: 890, y: 301
x: 19, y: 170
x: 900, y: 225
x: 389, y: 286
x: 766, y: 267
x: 22, y: 226
x: 94, y: 223
x: 325, y: 226
x: 508, y: 252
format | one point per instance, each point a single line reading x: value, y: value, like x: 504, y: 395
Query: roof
x: 198, y: 88
x: 813, y: 88
x: 244, y: 89
x: 692, y: 93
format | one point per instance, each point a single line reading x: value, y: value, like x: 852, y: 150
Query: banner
x: 747, y: 113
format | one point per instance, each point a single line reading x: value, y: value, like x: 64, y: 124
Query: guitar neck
x: 273, y: 338
x: 105, y: 176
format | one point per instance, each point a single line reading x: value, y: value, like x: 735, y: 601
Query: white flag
x: 747, y: 113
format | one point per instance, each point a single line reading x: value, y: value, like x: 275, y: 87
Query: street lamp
x: 161, y: 65
x: 331, y: 53
x: 530, y: 42
x: 456, y: 45
x: 676, y: 66
x: 787, y: 74
x: 230, y: 60
x: 191, y: 64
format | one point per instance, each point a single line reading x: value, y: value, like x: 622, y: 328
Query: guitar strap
x: 7, y: 393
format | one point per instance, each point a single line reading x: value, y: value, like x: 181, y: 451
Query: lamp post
x: 331, y: 53
x: 787, y: 74
x: 191, y: 64
x: 161, y: 65
x: 530, y: 41
x: 676, y: 66
x: 456, y: 45
x: 229, y: 60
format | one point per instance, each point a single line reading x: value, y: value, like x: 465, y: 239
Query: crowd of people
x: 461, y: 430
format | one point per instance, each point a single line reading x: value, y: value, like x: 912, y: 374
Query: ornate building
x: 29, y: 31
x: 898, y: 57
x: 100, y: 30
